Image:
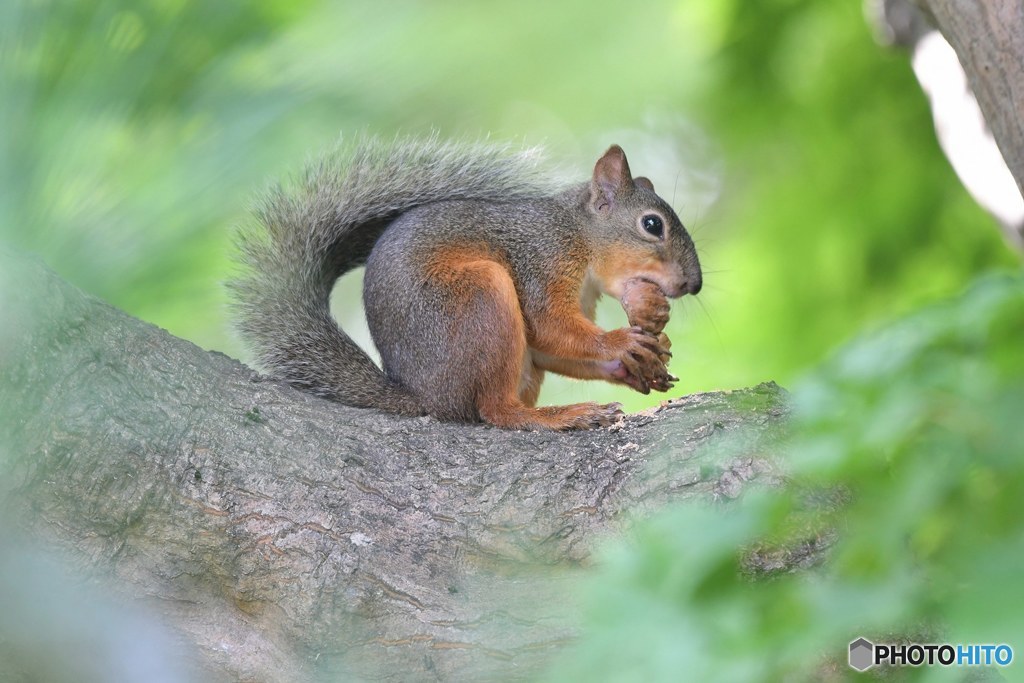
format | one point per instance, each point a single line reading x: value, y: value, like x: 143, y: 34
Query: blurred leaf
x: 930, y: 534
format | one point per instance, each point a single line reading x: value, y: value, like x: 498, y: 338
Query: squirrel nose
x: 688, y: 286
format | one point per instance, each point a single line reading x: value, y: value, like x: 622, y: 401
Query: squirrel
x: 480, y: 277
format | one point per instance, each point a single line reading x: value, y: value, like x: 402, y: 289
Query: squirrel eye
x: 653, y: 225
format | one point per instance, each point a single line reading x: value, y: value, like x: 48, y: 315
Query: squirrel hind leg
x: 522, y: 414
x: 480, y: 366
x: 460, y: 340
x: 509, y: 383
x: 513, y: 414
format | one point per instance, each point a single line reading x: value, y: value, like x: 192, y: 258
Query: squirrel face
x: 636, y: 234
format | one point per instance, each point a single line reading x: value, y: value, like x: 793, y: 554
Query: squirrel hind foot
x: 558, y: 418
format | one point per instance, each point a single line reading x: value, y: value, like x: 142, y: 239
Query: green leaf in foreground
x: 915, y: 434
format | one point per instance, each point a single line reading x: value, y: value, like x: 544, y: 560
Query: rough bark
x: 285, y: 536
x: 988, y: 36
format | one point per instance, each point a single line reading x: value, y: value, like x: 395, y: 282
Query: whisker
x: 711, y: 320
x: 712, y: 287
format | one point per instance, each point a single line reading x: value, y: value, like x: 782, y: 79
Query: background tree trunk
x: 975, y: 102
x: 988, y: 37
x: 283, y: 535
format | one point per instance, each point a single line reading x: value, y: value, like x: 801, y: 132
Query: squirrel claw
x: 662, y: 384
x: 599, y: 416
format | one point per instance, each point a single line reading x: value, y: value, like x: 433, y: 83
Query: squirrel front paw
x: 639, y: 359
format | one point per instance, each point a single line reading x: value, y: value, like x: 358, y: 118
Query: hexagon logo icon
x: 861, y: 654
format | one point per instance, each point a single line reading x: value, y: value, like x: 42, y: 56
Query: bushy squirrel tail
x: 308, y: 235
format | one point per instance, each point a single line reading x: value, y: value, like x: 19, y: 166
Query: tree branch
x: 284, y: 535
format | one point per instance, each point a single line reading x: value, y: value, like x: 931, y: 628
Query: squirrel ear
x: 644, y: 183
x: 611, y: 176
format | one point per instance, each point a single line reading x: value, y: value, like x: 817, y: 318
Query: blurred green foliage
x: 799, y: 151
x: 914, y: 435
